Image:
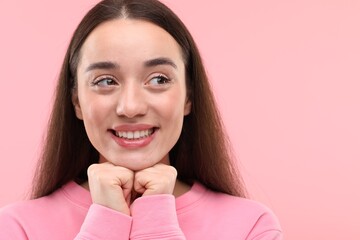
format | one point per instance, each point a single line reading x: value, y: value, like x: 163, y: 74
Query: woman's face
x: 131, y: 92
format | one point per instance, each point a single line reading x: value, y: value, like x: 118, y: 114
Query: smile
x: 134, y: 135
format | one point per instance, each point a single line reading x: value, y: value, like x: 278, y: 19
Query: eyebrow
x: 160, y: 61
x: 102, y: 65
x: 149, y: 63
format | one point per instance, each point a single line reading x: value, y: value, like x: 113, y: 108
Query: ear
x: 76, y: 104
x: 187, y: 107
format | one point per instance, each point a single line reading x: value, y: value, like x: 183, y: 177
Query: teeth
x: 135, y: 135
x: 130, y: 135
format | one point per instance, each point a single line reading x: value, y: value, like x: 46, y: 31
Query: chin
x: 133, y: 164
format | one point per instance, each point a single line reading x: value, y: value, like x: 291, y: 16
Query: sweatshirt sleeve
x: 154, y: 217
x: 267, y: 227
x: 104, y: 223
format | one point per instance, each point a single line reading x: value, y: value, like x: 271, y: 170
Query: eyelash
x: 162, y: 78
x: 97, y: 82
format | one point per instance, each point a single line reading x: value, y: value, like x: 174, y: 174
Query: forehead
x: 129, y: 39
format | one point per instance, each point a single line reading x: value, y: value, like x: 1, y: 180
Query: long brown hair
x: 202, y: 152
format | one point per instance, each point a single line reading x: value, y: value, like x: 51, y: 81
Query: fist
x: 159, y: 179
x: 111, y: 186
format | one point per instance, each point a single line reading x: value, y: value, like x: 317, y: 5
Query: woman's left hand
x: 158, y: 179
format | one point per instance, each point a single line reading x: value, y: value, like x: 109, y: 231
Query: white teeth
x: 130, y: 135
x: 135, y: 135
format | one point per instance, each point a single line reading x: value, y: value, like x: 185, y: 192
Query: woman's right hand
x: 111, y: 186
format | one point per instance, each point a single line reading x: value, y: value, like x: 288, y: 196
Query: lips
x: 134, y: 135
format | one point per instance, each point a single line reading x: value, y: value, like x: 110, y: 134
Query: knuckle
x: 92, y: 169
x: 173, y: 169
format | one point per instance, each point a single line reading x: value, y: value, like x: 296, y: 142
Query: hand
x: 159, y: 179
x: 111, y: 186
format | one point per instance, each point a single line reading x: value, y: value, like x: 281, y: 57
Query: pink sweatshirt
x: 198, y: 214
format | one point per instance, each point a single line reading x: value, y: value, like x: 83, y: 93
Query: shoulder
x: 254, y: 216
x: 64, y: 208
x: 26, y: 210
x: 16, y: 218
x: 69, y: 196
x: 23, y: 207
x: 62, y: 200
x: 225, y: 202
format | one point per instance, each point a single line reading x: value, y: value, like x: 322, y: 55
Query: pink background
x: 286, y: 75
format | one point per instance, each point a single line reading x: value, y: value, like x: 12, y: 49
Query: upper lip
x: 132, y: 127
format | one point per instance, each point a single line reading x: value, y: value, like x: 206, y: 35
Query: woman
x: 135, y: 147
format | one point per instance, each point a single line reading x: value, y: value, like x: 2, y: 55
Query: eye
x: 159, y: 80
x: 105, y: 81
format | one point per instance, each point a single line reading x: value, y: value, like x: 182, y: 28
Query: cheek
x: 173, y: 109
x: 94, y: 112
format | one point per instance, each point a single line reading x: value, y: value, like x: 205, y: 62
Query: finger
x: 159, y: 179
x: 140, y: 182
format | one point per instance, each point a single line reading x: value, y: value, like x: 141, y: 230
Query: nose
x: 131, y: 101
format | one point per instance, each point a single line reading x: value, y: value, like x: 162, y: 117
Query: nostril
x: 131, y: 108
